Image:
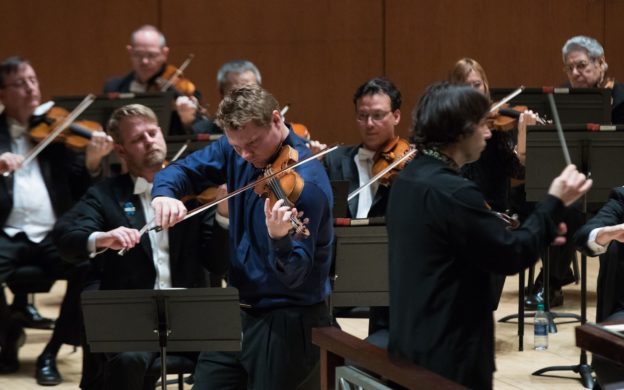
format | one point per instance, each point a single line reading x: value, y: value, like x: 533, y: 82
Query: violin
x: 286, y: 186
x: 389, y: 153
x: 76, y: 136
x: 172, y: 77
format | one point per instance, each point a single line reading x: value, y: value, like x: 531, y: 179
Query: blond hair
x: 128, y: 111
x: 250, y: 103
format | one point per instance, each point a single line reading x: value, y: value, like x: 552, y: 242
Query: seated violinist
x: 586, y: 67
x: 32, y: 197
x: 231, y: 75
x: 150, y: 73
x: 108, y: 217
x: 377, y: 113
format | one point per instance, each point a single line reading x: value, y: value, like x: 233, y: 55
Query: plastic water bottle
x: 540, y: 341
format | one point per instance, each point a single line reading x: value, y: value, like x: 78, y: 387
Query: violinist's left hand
x: 187, y: 109
x: 527, y: 118
x: 316, y: 146
x: 100, y: 145
x: 278, y: 219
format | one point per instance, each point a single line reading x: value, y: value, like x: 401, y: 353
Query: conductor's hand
x: 9, y: 162
x: 570, y: 185
x: 119, y: 238
x: 278, y: 218
x: 168, y: 211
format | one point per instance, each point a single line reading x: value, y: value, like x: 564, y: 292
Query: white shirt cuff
x: 224, y: 222
x: 596, y: 248
x: 91, y: 244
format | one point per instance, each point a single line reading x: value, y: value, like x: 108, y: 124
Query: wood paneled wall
x: 312, y: 53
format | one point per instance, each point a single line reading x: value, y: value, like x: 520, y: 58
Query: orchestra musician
x: 283, y: 281
x: 603, y: 236
x: 501, y: 160
x: 585, y: 66
x: 32, y: 198
x: 444, y: 241
x: 149, y: 53
x: 108, y: 217
x: 377, y: 113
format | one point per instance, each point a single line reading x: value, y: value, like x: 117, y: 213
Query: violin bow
x: 69, y: 119
x: 562, y: 141
x: 507, y: 98
x: 177, y: 73
x: 234, y: 193
x: 380, y: 174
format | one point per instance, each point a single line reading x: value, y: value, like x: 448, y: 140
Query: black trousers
x: 276, y: 352
x: 19, y: 251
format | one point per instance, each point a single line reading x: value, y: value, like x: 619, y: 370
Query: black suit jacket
x: 610, y: 288
x: 102, y: 209
x: 202, y: 124
x: 340, y: 165
x: 63, y: 171
x: 443, y: 244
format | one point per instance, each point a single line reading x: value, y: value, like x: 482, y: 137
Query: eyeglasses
x: 579, y: 66
x: 148, y: 55
x: 23, y: 83
x: 379, y: 116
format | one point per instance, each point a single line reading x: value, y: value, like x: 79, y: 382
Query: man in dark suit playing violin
x: 148, y: 53
x: 108, y: 217
x: 377, y: 113
x: 283, y: 281
x: 32, y: 197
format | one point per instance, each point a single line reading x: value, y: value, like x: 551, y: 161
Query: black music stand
x: 575, y: 105
x: 104, y: 105
x: 597, y: 154
x: 361, y: 274
x: 178, y: 320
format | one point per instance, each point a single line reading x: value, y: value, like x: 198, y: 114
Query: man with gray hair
x: 586, y: 67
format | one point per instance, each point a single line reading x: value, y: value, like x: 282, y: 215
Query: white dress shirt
x: 159, y: 241
x: 364, y: 163
x: 32, y: 211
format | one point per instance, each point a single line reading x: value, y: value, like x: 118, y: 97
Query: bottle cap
x: 540, y: 307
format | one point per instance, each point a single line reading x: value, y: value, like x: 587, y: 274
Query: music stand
x: 361, y: 274
x: 104, y: 105
x: 178, y: 320
x: 575, y: 105
x: 598, y: 155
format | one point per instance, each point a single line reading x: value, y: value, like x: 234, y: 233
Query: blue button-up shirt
x: 268, y: 273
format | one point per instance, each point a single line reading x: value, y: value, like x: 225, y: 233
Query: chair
x: 176, y: 364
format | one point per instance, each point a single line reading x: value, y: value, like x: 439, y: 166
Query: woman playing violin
x: 585, y: 66
x: 282, y: 281
x: 501, y: 160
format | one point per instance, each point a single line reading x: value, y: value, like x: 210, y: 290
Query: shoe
x: 46, y: 372
x: 15, y: 338
x: 555, y: 298
x: 29, y: 317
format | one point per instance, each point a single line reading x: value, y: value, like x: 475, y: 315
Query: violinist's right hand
x: 187, y: 109
x: 168, y: 211
x: 570, y: 185
x: 119, y: 238
x: 10, y: 162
